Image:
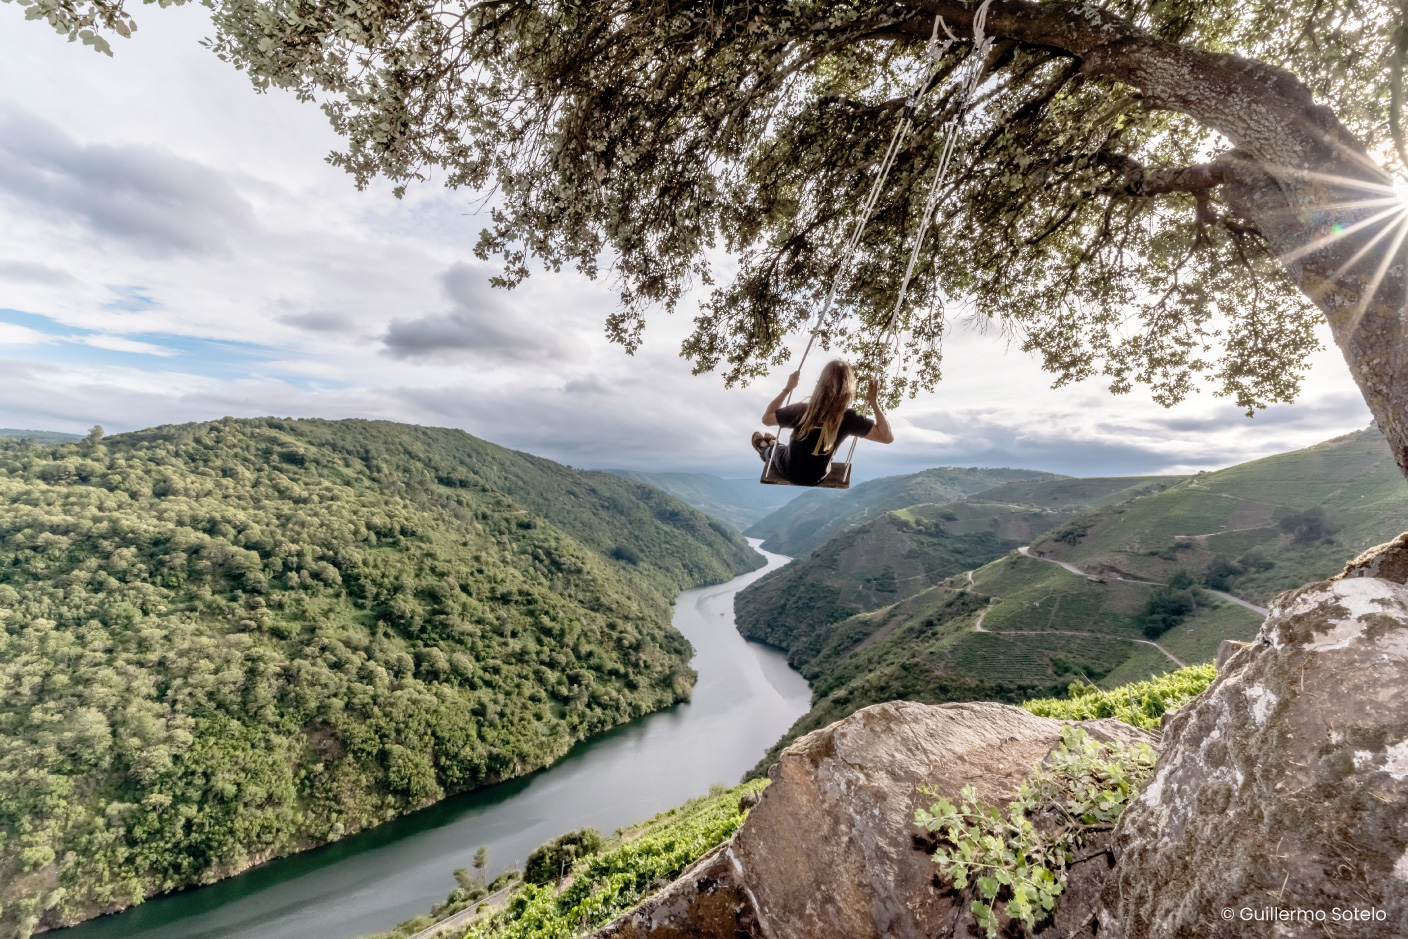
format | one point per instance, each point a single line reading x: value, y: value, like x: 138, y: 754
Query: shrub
x: 1221, y: 571
x: 1073, y: 531
x: 551, y: 862
x: 1254, y: 562
x: 624, y: 552
x: 1310, y: 526
x: 1171, y: 604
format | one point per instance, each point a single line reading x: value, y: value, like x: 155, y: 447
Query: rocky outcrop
x: 1226, y: 649
x: 1388, y: 561
x: 1279, y: 806
x: 708, y: 901
x: 831, y: 850
x: 1280, y: 802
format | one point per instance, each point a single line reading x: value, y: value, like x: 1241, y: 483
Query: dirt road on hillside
x: 1025, y: 551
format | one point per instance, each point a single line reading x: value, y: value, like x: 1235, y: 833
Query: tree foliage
x: 1312, y: 525
x: 228, y: 641
x: 1084, y: 218
x: 549, y: 863
x: 1171, y: 603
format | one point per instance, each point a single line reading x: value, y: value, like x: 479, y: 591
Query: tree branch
x: 1142, y: 181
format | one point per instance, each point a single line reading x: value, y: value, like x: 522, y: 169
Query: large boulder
x: 1280, y: 803
x: 831, y: 850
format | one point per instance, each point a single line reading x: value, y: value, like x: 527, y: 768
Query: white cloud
x: 12, y: 334
x: 119, y: 344
x: 134, y: 198
x: 18, y: 272
x: 483, y: 325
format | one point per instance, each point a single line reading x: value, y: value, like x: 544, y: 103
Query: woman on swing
x: 819, y: 425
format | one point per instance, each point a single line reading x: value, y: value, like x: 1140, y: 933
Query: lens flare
x: 1375, y: 210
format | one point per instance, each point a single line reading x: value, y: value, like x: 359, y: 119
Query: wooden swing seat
x: 838, y: 476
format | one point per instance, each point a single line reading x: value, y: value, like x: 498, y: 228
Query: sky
x: 174, y: 247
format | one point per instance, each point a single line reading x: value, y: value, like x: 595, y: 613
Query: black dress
x: 795, y: 461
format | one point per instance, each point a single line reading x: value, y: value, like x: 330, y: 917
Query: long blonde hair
x: 834, y: 392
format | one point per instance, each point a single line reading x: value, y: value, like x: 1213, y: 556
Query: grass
x: 1085, y: 492
x: 1035, y: 596
x: 1143, y: 663
x: 1141, y: 703
x: 1197, y: 639
x: 1235, y: 511
x: 635, y: 863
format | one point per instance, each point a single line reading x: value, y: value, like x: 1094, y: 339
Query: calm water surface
x: 747, y: 696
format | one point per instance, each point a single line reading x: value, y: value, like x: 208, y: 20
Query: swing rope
x: 936, y: 50
x: 968, y: 88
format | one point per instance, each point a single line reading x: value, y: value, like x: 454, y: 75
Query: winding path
x: 466, y: 915
x: 1025, y: 551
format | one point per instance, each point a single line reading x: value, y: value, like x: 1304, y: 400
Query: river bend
x: 745, y: 699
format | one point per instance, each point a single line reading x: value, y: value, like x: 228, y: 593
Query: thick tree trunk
x: 1295, y: 173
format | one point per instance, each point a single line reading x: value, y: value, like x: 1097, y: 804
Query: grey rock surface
x: 831, y: 850
x: 1388, y: 561
x: 1281, y: 794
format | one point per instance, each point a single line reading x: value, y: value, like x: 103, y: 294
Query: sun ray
x: 1387, y: 229
x: 1378, y: 277
x: 1362, y: 158
x: 1332, y: 208
x: 1338, y: 233
x: 1361, y: 308
x: 1347, y: 182
x: 1363, y: 203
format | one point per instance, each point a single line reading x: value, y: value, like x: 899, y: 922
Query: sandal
x: 762, y: 441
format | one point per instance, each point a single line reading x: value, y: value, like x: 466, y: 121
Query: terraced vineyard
x: 1255, y: 516
x: 902, y: 552
x: 1018, y: 626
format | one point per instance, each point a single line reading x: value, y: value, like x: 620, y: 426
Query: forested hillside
x: 227, y: 641
x: 807, y: 522
x: 1022, y: 627
x: 879, y: 562
x: 739, y: 502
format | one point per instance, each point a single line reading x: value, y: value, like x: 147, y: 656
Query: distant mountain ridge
x: 806, y: 523
x: 290, y: 630
x: 739, y: 502
x: 39, y: 436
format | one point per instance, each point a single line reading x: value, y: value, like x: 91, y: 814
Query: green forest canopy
x: 227, y: 641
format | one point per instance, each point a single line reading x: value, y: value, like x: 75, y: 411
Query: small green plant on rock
x: 1017, y: 861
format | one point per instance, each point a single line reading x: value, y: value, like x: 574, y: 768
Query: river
x: 746, y: 697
